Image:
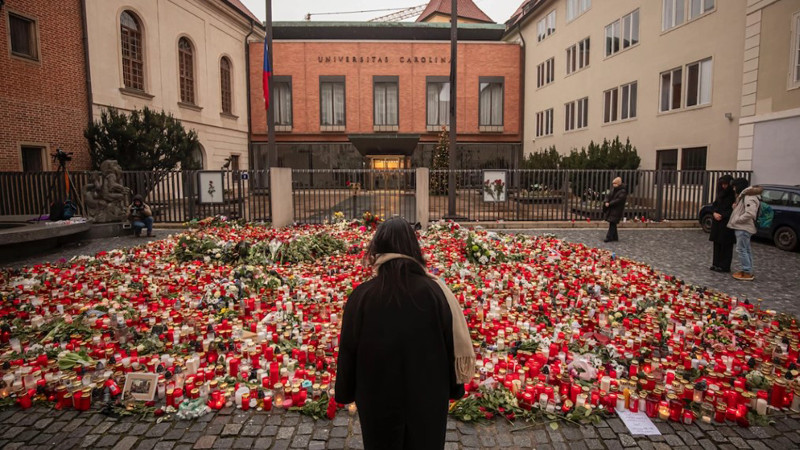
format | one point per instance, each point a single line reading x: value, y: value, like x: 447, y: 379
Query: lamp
x: 728, y: 115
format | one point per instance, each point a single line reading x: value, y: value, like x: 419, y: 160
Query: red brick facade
x: 44, y: 102
x: 410, y: 61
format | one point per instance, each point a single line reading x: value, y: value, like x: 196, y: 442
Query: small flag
x: 267, y: 74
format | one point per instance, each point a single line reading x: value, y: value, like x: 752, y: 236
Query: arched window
x: 186, y: 63
x: 132, y: 55
x: 225, y: 84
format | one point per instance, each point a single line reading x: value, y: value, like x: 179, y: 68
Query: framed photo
x: 494, y: 186
x: 210, y: 187
x: 141, y: 386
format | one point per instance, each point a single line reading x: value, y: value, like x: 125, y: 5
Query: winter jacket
x: 138, y: 213
x: 745, y: 210
x: 723, y: 205
x: 616, y: 204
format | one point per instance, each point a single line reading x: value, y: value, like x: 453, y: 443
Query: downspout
x: 87, y: 67
x: 521, y: 96
x: 247, y: 85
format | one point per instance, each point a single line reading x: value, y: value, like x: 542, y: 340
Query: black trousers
x: 612, y: 232
x: 723, y: 254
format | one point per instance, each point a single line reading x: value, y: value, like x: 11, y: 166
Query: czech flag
x: 267, y: 74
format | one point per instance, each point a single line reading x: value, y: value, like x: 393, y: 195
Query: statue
x: 104, y: 196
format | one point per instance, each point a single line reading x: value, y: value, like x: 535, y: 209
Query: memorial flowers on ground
x: 242, y: 315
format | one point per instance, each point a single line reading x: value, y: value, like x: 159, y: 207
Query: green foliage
x: 610, y: 155
x: 545, y: 159
x: 441, y: 161
x: 142, y: 140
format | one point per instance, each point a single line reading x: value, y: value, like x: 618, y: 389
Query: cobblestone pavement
x: 48, y: 429
x: 684, y: 253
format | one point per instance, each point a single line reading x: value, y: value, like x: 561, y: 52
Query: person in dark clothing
x: 613, y: 208
x: 140, y: 216
x: 396, y: 349
x: 723, y: 237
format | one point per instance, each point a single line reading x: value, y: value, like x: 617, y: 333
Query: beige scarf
x: 462, y: 343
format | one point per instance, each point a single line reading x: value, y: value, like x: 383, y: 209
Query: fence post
x: 659, y: 195
x: 422, y: 196
x: 281, y: 197
x: 566, y: 201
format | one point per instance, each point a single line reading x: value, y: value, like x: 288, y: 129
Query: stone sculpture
x: 104, y: 196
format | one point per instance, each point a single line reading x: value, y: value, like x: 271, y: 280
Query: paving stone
x: 673, y: 440
x: 627, y: 440
x: 42, y: 438
x: 339, y: 432
x: 269, y: 430
x: 451, y: 424
x: 687, y: 438
x: 73, y: 424
x: 607, y: 433
x: 487, y: 440
x: 190, y: 437
x: 504, y: 439
x: 227, y: 411
x: 173, y: 435
x: 258, y: 419
x: 355, y: 442
x: 274, y: 420
x: 94, y: 419
x: 336, y: 444
x: 239, y: 418
x: 316, y: 445
x: 225, y: 443
x: 251, y: 430
x: 42, y: 423
x: 706, y: 444
x: 243, y: 442
x: 738, y: 442
x: 544, y: 447
x: 617, y: 425
x: 164, y: 445
x: 522, y: 441
x: 451, y: 446
x: 27, y: 435
x: 540, y: 436
x: 283, y: 445
x: 231, y: 429
x: 758, y: 445
x: 103, y: 428
x: 451, y: 436
x: 291, y: 421
x: 645, y: 445
x: 158, y: 430
x: 305, y: 428
x: 147, y: 444
x: 661, y: 446
x: 301, y: 441
x: 571, y: 433
x: 594, y: 444
x: 13, y: 432
x: 120, y: 428
x: 470, y: 440
x: 89, y: 440
x: 263, y: 443
x: 126, y: 443
x: 613, y: 444
x: 321, y: 434
x: 139, y: 429
x: 466, y: 429
x: 761, y: 432
x: 717, y: 437
x: 108, y: 440
x: 781, y: 442
x: 205, y: 442
x: 183, y: 424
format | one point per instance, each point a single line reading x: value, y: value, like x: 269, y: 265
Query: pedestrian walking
x: 404, y: 349
x: 614, y: 207
x: 743, y: 222
x: 722, y: 236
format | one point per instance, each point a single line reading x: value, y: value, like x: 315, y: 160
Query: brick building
x: 43, y: 94
x: 376, y: 95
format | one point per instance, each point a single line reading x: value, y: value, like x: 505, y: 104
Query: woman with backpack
x: 743, y: 222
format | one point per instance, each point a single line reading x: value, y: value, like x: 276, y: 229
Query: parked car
x: 785, y: 201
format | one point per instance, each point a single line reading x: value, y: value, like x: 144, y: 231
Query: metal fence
x: 319, y: 194
x: 565, y: 195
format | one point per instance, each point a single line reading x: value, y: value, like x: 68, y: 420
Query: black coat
x: 616, y: 204
x: 396, y: 361
x: 723, y: 205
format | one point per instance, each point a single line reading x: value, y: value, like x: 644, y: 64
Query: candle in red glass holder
x: 233, y: 367
x: 675, y: 409
x: 575, y: 390
x: 688, y: 417
x: 651, y: 405
x: 245, y: 401
x: 778, y: 396
x: 720, y: 414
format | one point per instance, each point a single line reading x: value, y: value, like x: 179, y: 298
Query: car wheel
x: 785, y: 239
x: 706, y: 222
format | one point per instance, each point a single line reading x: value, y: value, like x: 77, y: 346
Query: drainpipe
x: 521, y: 96
x: 247, y: 85
x: 87, y: 67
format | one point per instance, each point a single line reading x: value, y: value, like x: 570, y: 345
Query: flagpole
x: 451, y: 162
x: 272, y: 152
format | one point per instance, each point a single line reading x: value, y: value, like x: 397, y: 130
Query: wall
x: 775, y: 155
x: 214, y: 29
x: 44, y: 102
x: 773, y: 92
x: 301, y: 61
x: 718, y: 34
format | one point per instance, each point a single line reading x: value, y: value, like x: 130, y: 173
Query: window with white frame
x: 546, y: 72
x: 671, y: 89
x: 386, y: 102
x: 673, y: 13
x: 544, y: 123
x: 576, y: 8
x: 699, y: 7
x: 438, y: 103
x: 622, y: 33
x: 578, y: 56
x: 619, y: 103
x: 282, y: 99
x: 332, y: 102
x: 490, y: 107
x: 576, y: 114
x: 546, y: 26
x: 697, y: 84
x: 795, y: 46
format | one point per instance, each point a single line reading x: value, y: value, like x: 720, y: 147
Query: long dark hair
x: 395, y: 235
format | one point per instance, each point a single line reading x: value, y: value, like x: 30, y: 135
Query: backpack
x: 765, y: 215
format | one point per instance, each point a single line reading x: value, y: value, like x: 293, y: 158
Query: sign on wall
x: 210, y: 186
x: 494, y: 185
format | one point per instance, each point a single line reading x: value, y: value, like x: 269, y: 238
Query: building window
x: 666, y: 160
x: 491, y: 102
x: 693, y: 160
x: 795, y: 46
x: 546, y: 72
x: 385, y: 92
x: 578, y: 56
x: 22, y: 31
x: 186, y: 66
x: 577, y: 114
x: 546, y: 26
x: 544, y: 123
x: 438, y: 103
x: 622, y: 33
x: 699, y: 7
x: 32, y: 158
x: 673, y: 13
x: 671, y: 87
x: 619, y: 103
x: 282, y: 102
x: 576, y: 8
x: 225, y: 84
x: 332, y: 102
x: 698, y: 85
x: 132, y: 55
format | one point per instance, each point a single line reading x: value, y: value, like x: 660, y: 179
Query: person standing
x: 614, y: 207
x: 404, y: 348
x: 141, y: 216
x: 722, y: 236
x: 743, y: 222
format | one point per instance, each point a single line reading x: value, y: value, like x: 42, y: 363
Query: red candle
x: 233, y: 367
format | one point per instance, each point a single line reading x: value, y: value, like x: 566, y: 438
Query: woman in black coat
x: 396, y: 357
x: 614, y: 207
x: 723, y: 237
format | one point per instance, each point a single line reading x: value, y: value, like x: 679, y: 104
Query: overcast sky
x: 498, y: 10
